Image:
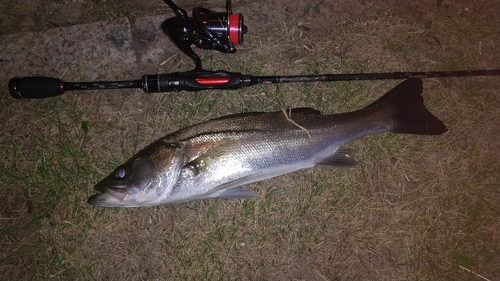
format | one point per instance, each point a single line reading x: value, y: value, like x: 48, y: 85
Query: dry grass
x: 416, y: 208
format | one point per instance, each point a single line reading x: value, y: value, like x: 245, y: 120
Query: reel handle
x: 35, y: 87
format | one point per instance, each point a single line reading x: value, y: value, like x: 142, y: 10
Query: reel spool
x: 219, y: 31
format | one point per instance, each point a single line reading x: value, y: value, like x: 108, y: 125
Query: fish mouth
x: 110, y: 196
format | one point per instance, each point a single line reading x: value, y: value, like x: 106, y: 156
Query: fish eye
x: 120, y: 172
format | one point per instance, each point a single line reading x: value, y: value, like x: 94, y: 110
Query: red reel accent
x: 234, y: 28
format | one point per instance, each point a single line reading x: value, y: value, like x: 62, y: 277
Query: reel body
x: 206, y: 29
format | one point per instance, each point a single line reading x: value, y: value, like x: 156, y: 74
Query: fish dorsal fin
x: 239, y: 115
x: 298, y: 110
x: 342, y: 158
x: 306, y: 110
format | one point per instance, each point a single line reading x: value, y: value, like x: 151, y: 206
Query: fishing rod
x: 43, y: 87
x: 206, y: 29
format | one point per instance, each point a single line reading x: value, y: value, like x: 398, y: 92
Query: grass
x: 415, y: 208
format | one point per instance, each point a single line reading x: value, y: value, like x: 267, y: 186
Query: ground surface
x: 415, y: 208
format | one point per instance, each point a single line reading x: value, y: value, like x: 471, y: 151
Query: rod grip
x: 35, y: 87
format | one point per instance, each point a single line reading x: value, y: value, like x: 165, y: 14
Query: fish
x: 215, y: 159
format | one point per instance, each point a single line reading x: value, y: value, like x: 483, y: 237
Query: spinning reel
x: 206, y: 29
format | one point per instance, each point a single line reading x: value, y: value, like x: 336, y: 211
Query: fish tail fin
x: 407, y: 112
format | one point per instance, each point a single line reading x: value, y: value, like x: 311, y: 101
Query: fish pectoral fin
x: 342, y: 158
x: 203, y: 162
x: 234, y: 193
x: 197, y: 166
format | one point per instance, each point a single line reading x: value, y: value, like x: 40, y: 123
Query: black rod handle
x: 35, y: 87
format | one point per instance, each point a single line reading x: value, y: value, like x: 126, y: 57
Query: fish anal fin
x: 234, y: 193
x: 342, y: 158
